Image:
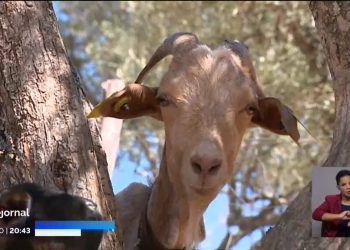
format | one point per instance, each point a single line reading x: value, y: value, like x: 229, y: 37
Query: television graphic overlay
x: 31, y: 216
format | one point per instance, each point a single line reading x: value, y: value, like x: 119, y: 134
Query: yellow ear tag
x: 119, y: 104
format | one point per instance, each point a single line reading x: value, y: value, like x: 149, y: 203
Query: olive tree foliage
x: 115, y: 39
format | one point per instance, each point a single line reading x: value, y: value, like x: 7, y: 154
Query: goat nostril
x: 214, y: 169
x: 196, y: 168
x: 210, y: 167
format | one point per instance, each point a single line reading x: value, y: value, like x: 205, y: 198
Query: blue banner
x: 76, y: 224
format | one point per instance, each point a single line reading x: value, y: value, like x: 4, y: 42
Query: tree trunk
x: 293, y: 231
x: 44, y: 134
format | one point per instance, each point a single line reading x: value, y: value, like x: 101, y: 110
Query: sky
x: 215, y: 215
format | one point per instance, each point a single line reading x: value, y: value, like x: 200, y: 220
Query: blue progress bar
x: 76, y: 224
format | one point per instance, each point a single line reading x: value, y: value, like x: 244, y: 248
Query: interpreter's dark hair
x: 340, y: 174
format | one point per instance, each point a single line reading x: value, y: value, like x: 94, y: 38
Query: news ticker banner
x: 71, y: 228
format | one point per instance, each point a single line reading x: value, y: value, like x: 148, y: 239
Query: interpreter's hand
x: 345, y: 215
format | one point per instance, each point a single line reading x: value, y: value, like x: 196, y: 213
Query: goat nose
x: 202, y: 164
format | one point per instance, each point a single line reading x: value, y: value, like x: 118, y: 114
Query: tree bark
x: 44, y: 134
x: 293, y: 231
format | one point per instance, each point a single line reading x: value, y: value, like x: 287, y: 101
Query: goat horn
x: 170, y: 44
x: 241, y: 50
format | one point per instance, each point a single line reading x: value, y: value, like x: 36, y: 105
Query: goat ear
x: 133, y: 101
x: 273, y: 115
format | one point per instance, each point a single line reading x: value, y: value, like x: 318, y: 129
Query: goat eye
x: 251, y: 109
x: 163, y: 101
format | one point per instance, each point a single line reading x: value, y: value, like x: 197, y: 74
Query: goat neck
x: 175, y: 219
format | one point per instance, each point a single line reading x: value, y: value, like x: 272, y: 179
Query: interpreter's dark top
x: 344, y: 229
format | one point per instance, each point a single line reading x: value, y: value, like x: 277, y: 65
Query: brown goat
x: 207, y: 99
